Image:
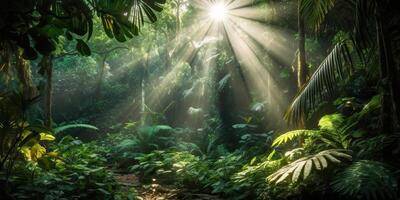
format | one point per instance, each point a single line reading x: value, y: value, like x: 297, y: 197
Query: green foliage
x: 17, y: 136
x: 73, y: 126
x: 336, y: 67
x: 366, y: 179
x: 315, y: 11
x: 45, y: 21
x: 289, y: 136
x: 73, y: 169
x: 304, y: 166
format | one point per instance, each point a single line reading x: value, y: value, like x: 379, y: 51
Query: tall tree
x: 302, y: 70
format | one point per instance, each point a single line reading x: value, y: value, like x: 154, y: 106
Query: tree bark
x: 389, y: 84
x: 47, y: 65
x: 302, y: 70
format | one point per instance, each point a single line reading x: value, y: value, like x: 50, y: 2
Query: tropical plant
x: 323, y: 81
x: 304, y: 166
x: 366, y: 179
x: 73, y: 126
x: 72, y: 169
x: 16, y: 134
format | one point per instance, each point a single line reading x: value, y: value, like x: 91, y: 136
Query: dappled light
x: 202, y: 100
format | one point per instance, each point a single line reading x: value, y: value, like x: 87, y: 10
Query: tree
x: 41, y: 23
x: 338, y: 64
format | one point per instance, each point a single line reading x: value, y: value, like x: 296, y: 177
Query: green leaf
x: 83, y: 48
x: 69, y: 126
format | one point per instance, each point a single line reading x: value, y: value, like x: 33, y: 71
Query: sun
x: 218, y: 12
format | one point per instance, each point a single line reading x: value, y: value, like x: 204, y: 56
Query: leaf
x: 46, y: 137
x: 331, y: 122
x: 305, y: 164
x: 70, y: 126
x: 289, y: 136
x: 322, y: 85
x: 297, y: 172
x: 308, y: 168
x: 83, y: 48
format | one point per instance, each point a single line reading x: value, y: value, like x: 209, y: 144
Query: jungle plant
x: 338, y: 64
x: 330, y: 145
x: 366, y: 179
x: 16, y: 134
x: 304, y: 166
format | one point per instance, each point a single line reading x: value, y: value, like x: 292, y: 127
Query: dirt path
x: 156, y: 191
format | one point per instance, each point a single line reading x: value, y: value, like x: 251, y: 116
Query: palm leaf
x: 71, y: 126
x: 304, y: 166
x: 314, y: 11
x: 336, y: 67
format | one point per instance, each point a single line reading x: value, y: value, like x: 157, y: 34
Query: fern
x: 304, y: 166
x: 70, y: 126
x: 289, y: 136
x: 366, y: 179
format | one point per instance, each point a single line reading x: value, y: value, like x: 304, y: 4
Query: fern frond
x: 337, y: 66
x: 366, y: 179
x: 291, y: 135
x: 304, y: 166
x: 70, y: 126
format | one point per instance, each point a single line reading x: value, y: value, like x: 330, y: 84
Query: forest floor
x: 156, y: 191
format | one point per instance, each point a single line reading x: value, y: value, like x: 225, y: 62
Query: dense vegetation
x: 179, y: 99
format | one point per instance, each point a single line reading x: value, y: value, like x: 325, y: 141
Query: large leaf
x: 314, y: 11
x: 71, y: 126
x: 304, y: 166
x: 323, y: 83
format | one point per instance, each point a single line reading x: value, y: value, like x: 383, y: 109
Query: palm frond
x: 71, y: 126
x: 336, y: 67
x: 314, y: 11
x: 304, y: 166
x: 366, y: 179
x: 124, y: 18
x: 291, y: 135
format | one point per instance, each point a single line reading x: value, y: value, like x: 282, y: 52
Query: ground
x: 157, y: 191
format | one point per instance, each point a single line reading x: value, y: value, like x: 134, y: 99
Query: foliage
x: 72, y: 126
x: 45, y: 21
x: 289, y: 136
x: 304, y: 166
x: 74, y: 169
x: 322, y: 84
x: 366, y: 179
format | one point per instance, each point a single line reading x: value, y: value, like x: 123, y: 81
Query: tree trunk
x: 389, y: 85
x: 101, y: 77
x: 25, y: 76
x: 302, y: 70
x: 47, y: 65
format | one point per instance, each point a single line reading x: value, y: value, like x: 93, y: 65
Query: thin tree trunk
x: 47, y: 65
x: 101, y: 77
x: 302, y: 70
x: 390, y: 88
